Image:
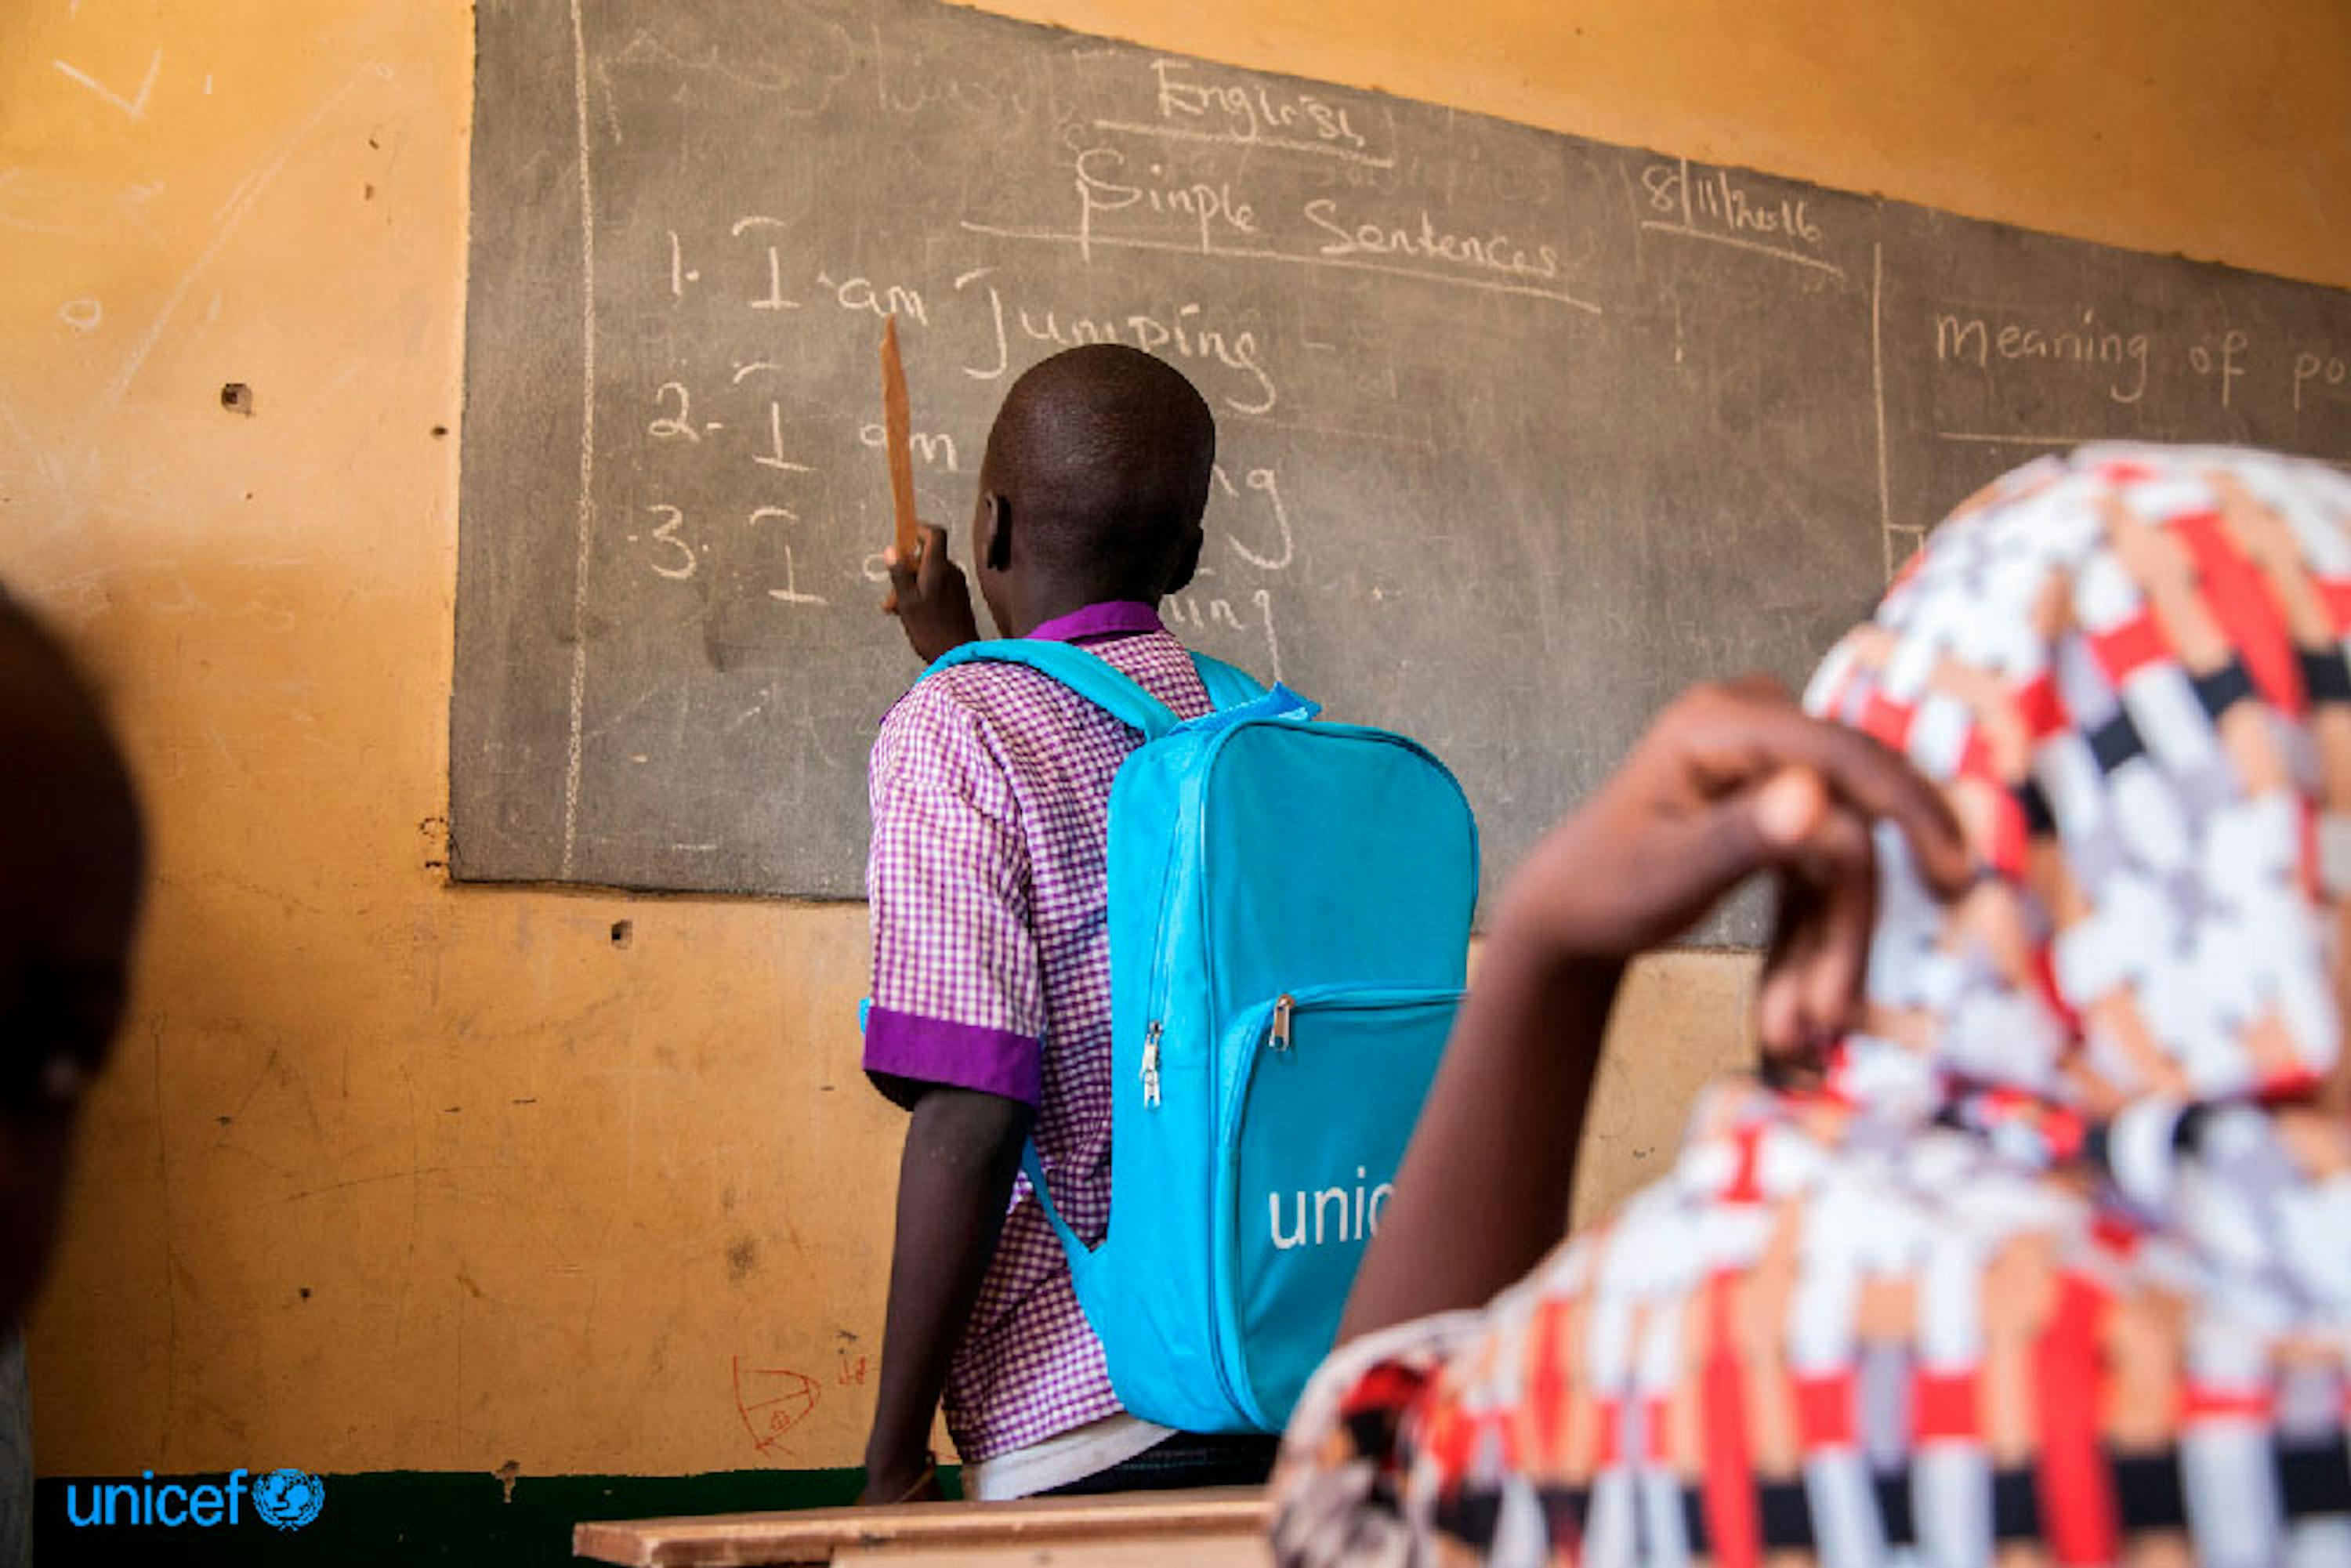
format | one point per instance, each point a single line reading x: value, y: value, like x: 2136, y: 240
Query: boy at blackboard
x: 990, y: 790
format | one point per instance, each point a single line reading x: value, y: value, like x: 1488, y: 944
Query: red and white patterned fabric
x: 2057, y: 1267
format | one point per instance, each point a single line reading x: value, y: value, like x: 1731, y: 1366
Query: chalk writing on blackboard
x: 1518, y: 434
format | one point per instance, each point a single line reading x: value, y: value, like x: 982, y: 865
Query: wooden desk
x: 1219, y: 1529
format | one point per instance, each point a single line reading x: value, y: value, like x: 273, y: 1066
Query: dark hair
x: 50, y: 717
x: 1103, y: 454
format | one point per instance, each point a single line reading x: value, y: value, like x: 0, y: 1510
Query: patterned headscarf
x: 2126, y: 669
x: 2060, y: 1256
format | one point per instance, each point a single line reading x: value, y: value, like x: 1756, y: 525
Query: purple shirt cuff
x: 913, y: 1049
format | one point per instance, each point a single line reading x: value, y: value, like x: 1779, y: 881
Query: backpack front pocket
x: 1323, y: 1087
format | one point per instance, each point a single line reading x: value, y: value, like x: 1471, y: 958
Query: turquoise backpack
x: 1289, y: 907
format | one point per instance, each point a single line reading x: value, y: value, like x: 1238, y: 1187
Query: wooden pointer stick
x: 897, y: 421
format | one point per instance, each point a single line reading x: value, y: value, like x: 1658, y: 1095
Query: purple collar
x: 1110, y: 618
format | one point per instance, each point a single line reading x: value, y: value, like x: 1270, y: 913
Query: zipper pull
x: 1151, y: 1064
x: 1278, y: 1038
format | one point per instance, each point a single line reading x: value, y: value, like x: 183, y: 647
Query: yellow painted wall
x: 393, y: 1175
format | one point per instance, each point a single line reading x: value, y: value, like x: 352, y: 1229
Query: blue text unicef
x: 289, y: 1498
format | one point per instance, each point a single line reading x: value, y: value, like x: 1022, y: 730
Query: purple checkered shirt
x: 990, y: 788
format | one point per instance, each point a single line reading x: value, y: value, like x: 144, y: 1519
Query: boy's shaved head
x: 1102, y: 457
x: 72, y: 857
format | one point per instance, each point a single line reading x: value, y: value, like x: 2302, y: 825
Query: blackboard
x: 1518, y: 434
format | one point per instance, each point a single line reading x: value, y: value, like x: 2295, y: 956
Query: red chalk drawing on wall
x: 771, y: 1402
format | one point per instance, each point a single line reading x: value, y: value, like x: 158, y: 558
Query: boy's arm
x: 954, y: 1035
x: 963, y: 1148
x: 1730, y: 780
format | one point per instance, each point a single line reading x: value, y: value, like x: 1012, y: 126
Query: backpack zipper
x: 1280, y: 1039
x: 1273, y: 1024
x: 1158, y: 990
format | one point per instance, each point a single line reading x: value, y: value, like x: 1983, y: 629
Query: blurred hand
x: 1731, y: 780
x: 930, y: 598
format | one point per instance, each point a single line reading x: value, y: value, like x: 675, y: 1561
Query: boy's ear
x: 1188, y: 562
x: 996, y: 532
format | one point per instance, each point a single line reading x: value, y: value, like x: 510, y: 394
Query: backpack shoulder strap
x: 1076, y: 1250
x: 1092, y: 678
x: 1227, y: 685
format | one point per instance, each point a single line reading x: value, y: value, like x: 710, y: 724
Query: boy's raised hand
x: 930, y: 598
x: 1734, y: 778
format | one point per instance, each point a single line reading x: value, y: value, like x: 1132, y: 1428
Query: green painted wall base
x: 440, y: 1518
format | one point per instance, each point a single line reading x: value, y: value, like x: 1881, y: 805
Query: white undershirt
x: 1061, y: 1459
